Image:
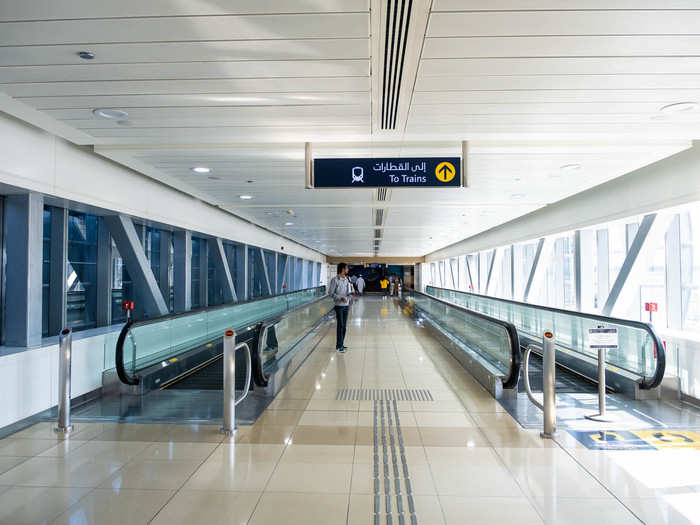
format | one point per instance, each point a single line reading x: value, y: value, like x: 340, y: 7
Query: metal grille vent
x: 384, y: 394
x: 377, y: 235
x: 382, y: 194
x: 398, y: 19
x: 378, y: 217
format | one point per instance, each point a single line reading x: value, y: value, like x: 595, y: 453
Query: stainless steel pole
x: 229, y: 427
x: 549, y: 399
x: 601, y: 415
x: 65, y: 340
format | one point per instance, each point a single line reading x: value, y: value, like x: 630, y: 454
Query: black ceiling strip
x: 393, y: 103
x: 403, y: 57
x: 392, y: 72
x: 386, y: 50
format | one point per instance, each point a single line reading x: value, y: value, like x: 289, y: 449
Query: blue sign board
x: 402, y: 172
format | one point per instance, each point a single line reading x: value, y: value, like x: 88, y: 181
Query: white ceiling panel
x: 83, y: 9
x: 208, y: 51
x: 562, y: 46
x: 240, y: 86
x: 188, y: 70
x: 160, y: 87
x: 170, y: 29
x: 561, y: 66
x: 568, y: 22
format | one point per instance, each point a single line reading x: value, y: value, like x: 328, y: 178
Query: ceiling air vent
x: 382, y: 194
x: 378, y: 217
x: 398, y: 18
x: 377, y: 235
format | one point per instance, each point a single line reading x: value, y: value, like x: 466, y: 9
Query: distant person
x: 360, y: 284
x: 341, y: 290
x: 397, y: 284
x: 392, y: 284
x: 384, y: 283
x: 353, y: 280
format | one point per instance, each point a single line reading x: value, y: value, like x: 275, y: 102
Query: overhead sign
x: 403, y: 172
x: 602, y: 338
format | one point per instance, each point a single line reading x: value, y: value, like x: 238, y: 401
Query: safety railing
x: 640, y: 351
x: 549, y: 400
x: 147, y: 342
x: 495, y: 341
x: 230, y: 401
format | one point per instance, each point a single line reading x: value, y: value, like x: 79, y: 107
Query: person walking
x: 384, y: 283
x: 360, y: 284
x: 392, y: 284
x: 341, y: 290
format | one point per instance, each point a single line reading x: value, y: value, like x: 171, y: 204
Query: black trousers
x: 341, y: 315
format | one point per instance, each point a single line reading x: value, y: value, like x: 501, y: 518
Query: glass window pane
x: 81, y: 271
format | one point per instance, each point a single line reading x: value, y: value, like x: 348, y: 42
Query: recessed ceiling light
x: 245, y: 197
x: 213, y: 177
x: 517, y: 195
x: 289, y: 224
x: 679, y: 107
x: 86, y: 55
x: 110, y: 113
x: 290, y: 212
x: 201, y: 169
x: 250, y: 181
x: 570, y: 167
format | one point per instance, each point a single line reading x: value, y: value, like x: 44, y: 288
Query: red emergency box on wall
x: 651, y: 307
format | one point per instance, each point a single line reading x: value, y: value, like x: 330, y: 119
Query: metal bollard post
x: 601, y: 415
x: 549, y: 399
x: 64, y: 357
x: 229, y: 427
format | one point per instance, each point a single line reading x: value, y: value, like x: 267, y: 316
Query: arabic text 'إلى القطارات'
x: 400, y: 167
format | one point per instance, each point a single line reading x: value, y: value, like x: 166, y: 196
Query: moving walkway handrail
x: 259, y: 375
x: 511, y: 380
x: 660, y: 351
x: 125, y: 332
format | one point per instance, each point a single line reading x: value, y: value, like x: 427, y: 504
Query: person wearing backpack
x: 341, y: 290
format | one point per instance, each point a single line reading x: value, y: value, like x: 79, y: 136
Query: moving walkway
x: 184, y: 351
x: 497, y: 329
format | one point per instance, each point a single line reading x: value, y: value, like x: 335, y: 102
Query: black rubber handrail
x: 514, y: 373
x: 119, y: 350
x: 660, y: 351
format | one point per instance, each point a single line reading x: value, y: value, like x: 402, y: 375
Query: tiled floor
x: 310, y: 459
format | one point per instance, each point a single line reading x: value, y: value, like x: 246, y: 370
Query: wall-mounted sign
x: 403, y: 172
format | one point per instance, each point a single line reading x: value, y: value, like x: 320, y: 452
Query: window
x: 81, y: 271
x: 281, y: 266
x: 45, y: 272
x: 196, y: 273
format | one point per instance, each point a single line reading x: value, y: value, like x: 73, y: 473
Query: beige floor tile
x: 191, y: 434
x: 115, y: 507
x: 118, y: 451
x: 204, y: 507
x: 516, y: 438
x: 45, y: 430
x: 324, y: 435
x: 247, y: 453
x: 496, y: 420
x: 149, y: 474
x: 177, y: 451
x: 444, y: 419
x: 464, y: 456
x: 8, y: 462
x: 427, y: 510
x: 489, y: 511
x: 60, y: 472
x: 33, y: 505
x: 301, y: 509
x: 329, y: 418
x: 576, y: 511
x: 130, y: 432
x: 305, y: 477
x: 333, y: 404
x: 231, y: 476
x: 461, y: 480
x: 672, y: 509
x: 363, y: 478
x: 24, y: 447
x: 266, y: 434
x: 452, y: 437
x: 63, y: 448
x: 319, y: 454
x: 288, y: 404
x: 279, y: 417
x: 421, y: 477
